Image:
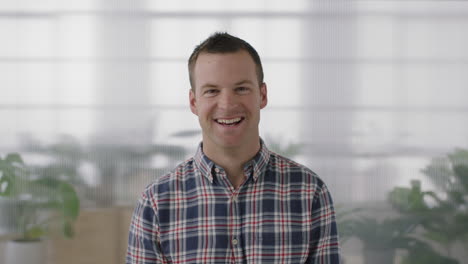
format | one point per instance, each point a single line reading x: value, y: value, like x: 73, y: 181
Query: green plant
x: 345, y: 222
x: 386, y: 234
x: 442, y: 214
x: 380, y: 238
x: 414, y: 203
x: 450, y: 176
x: 113, y: 164
x: 424, y: 254
x: 43, y: 200
x: 445, y: 220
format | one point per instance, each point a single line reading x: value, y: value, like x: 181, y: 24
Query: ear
x: 263, y: 95
x: 193, y: 102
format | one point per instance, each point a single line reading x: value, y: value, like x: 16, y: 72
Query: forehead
x: 224, y: 68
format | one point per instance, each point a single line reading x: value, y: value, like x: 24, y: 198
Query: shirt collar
x: 203, y: 163
x: 259, y: 162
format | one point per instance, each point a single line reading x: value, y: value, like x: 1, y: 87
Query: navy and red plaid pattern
x: 282, y: 213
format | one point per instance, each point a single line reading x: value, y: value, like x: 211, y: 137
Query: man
x: 234, y: 201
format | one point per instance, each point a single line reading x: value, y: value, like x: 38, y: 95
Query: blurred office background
x: 371, y: 95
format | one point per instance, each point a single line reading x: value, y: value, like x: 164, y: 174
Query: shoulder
x: 171, y: 181
x: 300, y: 178
x: 293, y: 171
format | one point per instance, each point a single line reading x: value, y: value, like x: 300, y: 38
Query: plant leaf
x: 6, y: 182
x: 34, y: 233
x: 438, y: 237
x: 14, y: 158
x: 461, y: 171
x: 71, y: 202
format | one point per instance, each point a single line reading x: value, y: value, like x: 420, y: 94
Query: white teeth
x: 228, y: 121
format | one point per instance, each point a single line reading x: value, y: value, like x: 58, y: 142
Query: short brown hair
x: 222, y: 42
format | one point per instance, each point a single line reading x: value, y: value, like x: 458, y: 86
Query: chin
x: 229, y: 142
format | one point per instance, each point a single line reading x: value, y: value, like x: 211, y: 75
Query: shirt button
x: 216, y: 170
x: 234, y: 241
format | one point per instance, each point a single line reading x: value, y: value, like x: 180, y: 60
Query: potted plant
x: 445, y: 221
x: 414, y: 203
x: 382, y: 238
x: 450, y: 176
x: 41, y: 203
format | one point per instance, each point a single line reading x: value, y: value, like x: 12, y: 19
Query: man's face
x: 227, y: 99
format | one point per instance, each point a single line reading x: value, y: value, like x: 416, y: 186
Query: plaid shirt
x: 282, y: 213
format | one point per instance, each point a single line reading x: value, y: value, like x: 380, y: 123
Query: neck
x: 232, y: 160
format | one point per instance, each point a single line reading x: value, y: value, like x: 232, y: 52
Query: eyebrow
x: 243, y: 82
x: 209, y: 85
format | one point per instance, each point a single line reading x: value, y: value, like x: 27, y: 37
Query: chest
x: 258, y: 224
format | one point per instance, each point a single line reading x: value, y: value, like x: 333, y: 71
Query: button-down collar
x: 258, y: 163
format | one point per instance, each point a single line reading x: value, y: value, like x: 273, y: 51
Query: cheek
x: 203, y: 111
x: 256, y: 104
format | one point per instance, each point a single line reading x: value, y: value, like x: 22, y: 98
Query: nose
x: 227, y: 100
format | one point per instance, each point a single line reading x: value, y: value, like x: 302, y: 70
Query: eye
x: 210, y: 92
x: 242, y: 89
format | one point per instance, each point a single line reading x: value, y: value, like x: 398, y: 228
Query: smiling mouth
x: 229, y: 122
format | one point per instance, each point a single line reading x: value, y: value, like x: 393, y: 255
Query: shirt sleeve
x: 324, y: 246
x: 143, y: 239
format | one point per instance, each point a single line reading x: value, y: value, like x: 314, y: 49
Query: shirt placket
x: 236, y: 241
x: 233, y: 220
x: 237, y: 236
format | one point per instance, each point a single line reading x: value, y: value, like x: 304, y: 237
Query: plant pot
x: 381, y: 256
x: 25, y: 252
